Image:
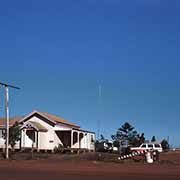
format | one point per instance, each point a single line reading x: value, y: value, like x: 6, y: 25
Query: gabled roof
x: 58, y: 119
x: 51, y: 118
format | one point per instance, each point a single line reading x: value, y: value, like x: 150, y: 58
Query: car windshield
x: 157, y: 145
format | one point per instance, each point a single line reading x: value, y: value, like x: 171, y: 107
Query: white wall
x: 91, y: 141
x: 48, y: 140
x: 92, y: 146
x: 1, y: 140
x: 26, y: 141
x: 2, y: 143
x: 57, y: 141
x: 45, y: 139
x: 85, y: 142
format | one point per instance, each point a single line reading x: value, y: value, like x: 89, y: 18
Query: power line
x: 8, y: 85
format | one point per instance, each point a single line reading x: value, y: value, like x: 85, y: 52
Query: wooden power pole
x: 6, y: 87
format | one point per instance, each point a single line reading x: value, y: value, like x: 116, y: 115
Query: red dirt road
x: 89, y: 170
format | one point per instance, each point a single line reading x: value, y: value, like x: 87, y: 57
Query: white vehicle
x: 148, y: 146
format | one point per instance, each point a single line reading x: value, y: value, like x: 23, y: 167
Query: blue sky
x: 58, y: 52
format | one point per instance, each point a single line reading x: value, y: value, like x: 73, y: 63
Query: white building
x: 44, y: 131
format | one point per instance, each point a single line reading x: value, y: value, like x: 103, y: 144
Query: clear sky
x: 58, y: 52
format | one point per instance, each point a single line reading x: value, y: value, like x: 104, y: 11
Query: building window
x: 92, y: 138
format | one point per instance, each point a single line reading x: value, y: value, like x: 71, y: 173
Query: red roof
x: 58, y: 119
x: 44, y: 114
x: 11, y: 121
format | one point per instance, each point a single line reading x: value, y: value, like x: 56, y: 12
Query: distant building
x: 44, y: 131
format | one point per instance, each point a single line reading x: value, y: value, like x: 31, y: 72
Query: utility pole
x: 7, y: 120
x: 6, y: 87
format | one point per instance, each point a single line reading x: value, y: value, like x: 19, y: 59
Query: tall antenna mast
x: 6, y: 87
x: 99, y: 102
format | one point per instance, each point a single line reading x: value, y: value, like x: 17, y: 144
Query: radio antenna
x: 99, y: 103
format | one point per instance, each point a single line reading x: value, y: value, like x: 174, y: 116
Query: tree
x: 141, y: 138
x: 14, y: 135
x: 123, y: 132
x: 126, y: 133
x: 153, y: 139
x: 165, y: 144
x: 136, y: 139
x: 102, y: 138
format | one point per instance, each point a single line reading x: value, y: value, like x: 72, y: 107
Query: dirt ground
x: 71, y: 168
